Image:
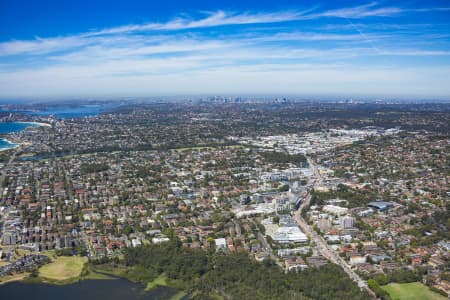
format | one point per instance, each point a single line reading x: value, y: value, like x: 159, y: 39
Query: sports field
x: 63, y: 268
x: 411, y: 291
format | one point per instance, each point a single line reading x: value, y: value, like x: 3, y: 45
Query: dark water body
x: 116, y: 289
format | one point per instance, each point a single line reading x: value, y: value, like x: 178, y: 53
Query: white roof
x: 220, y: 242
x: 290, y: 234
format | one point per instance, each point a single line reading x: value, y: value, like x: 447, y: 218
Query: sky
x: 75, y: 49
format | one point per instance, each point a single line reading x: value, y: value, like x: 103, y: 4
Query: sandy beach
x: 36, y: 123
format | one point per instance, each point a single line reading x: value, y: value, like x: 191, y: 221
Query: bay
x: 62, y: 112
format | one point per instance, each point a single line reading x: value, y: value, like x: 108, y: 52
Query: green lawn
x: 110, y: 270
x: 94, y: 275
x: 68, y: 269
x: 178, y: 296
x: 63, y: 268
x: 411, y: 291
x: 159, y: 281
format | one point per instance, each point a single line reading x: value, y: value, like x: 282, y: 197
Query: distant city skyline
x: 145, y: 49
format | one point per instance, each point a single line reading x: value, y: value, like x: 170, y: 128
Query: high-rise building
x: 347, y: 222
x: 10, y: 238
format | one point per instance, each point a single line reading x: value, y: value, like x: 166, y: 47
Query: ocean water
x: 58, y: 111
x: 10, y: 128
x: 4, y: 144
x: 15, y: 126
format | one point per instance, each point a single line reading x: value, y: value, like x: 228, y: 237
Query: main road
x: 320, y: 242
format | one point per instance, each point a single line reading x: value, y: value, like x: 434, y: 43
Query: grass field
x: 63, y: 268
x: 178, y: 296
x: 159, y: 281
x: 162, y: 281
x: 91, y: 274
x: 411, y: 291
x: 109, y: 270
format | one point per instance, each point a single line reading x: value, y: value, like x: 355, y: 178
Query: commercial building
x: 288, y: 235
x: 335, y: 210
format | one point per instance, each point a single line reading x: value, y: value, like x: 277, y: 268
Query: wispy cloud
x: 40, y: 45
x: 140, y: 56
x: 212, y: 19
x: 222, y: 18
x: 359, y: 12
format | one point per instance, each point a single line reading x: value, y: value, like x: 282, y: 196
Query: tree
x: 283, y: 188
x: 236, y: 276
x: 375, y: 287
x: 127, y: 229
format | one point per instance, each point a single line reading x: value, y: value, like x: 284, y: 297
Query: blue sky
x: 71, y: 49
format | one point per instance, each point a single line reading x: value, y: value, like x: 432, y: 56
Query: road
x: 321, y: 244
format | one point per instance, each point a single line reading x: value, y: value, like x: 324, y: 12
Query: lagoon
x: 114, y: 289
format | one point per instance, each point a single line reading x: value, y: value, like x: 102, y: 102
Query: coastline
x: 21, y: 277
x: 34, y: 124
x: 37, y: 124
x: 55, y: 272
x: 11, y: 145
